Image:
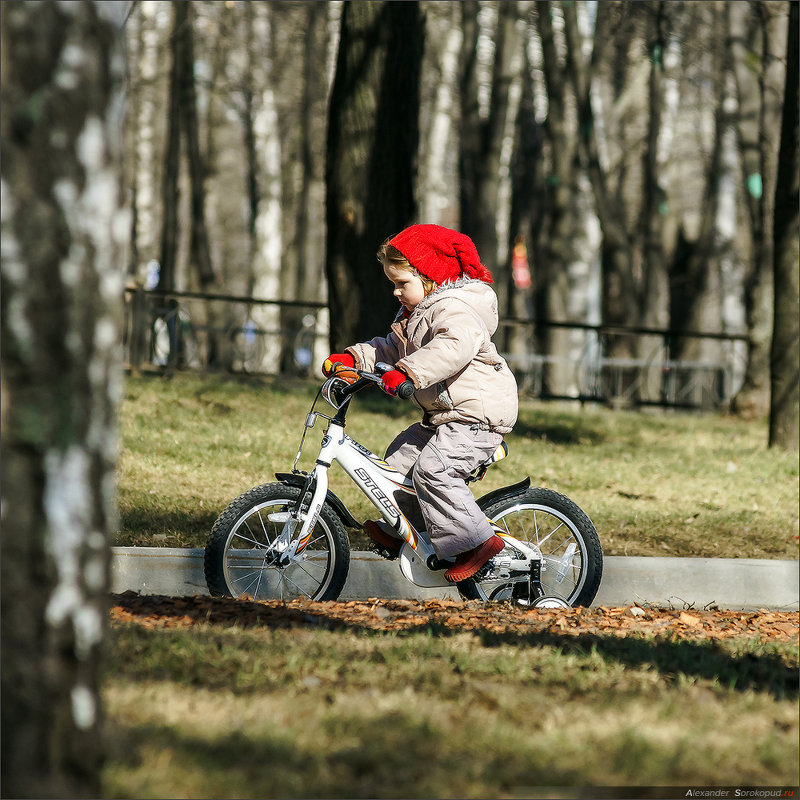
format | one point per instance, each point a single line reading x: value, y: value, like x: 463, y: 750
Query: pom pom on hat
x: 440, y: 254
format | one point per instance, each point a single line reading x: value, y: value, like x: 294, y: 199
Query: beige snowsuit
x: 468, y: 396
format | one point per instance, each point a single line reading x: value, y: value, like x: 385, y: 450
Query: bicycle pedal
x: 383, y: 552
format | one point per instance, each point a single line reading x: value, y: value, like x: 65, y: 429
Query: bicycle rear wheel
x: 240, y: 562
x: 572, y: 558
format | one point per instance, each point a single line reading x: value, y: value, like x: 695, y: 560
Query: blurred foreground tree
x: 372, y: 145
x: 784, y: 425
x: 61, y: 378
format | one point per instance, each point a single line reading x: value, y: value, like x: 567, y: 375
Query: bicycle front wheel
x: 572, y: 558
x: 242, y: 561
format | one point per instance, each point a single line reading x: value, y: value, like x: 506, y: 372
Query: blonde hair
x: 390, y: 256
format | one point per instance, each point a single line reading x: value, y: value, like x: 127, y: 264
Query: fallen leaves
x: 155, y: 611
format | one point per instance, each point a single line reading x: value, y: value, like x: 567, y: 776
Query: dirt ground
x: 155, y: 611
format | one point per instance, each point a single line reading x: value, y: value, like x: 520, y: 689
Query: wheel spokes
x: 249, y: 548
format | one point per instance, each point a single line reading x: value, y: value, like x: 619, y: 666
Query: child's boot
x: 467, y: 564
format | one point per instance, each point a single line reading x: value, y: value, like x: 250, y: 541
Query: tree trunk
x: 436, y: 185
x: 525, y: 215
x: 134, y: 39
x: 758, y: 125
x: 304, y: 133
x: 654, y: 304
x: 784, y: 426
x: 558, y: 233
x: 144, y: 70
x: 61, y: 378
x: 268, y: 243
x: 200, y: 254
x: 694, y: 292
x: 619, y: 286
x: 481, y: 159
x: 372, y: 144
x: 170, y: 193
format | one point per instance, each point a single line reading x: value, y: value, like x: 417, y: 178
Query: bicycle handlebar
x: 404, y: 390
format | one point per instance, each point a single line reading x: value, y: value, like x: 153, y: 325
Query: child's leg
x: 402, y: 454
x: 453, y: 519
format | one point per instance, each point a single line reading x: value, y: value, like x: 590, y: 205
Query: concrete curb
x: 733, y: 584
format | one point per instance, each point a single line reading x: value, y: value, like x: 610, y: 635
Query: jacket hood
x: 479, y: 296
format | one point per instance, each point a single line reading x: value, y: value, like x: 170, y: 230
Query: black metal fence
x: 205, y: 332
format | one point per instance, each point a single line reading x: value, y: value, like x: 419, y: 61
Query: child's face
x: 408, y: 288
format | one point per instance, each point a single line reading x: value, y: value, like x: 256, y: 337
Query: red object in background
x: 520, y: 271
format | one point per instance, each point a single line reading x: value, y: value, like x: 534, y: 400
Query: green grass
x: 654, y: 484
x: 308, y: 712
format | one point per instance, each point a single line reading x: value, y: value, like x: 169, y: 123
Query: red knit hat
x: 440, y: 254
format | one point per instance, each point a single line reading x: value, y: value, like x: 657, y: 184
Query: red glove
x: 391, y: 380
x: 341, y: 358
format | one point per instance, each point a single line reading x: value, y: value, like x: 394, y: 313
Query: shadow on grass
x: 388, y: 755
x: 570, y: 430
x: 137, y: 526
x: 671, y: 657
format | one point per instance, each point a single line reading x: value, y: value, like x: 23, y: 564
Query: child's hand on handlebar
x: 329, y: 365
x: 392, y: 380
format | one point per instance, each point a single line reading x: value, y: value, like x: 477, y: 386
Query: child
x: 441, y: 341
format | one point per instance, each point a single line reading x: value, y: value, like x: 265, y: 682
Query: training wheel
x: 550, y: 601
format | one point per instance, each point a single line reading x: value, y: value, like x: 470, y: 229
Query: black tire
x: 572, y: 558
x: 238, y: 563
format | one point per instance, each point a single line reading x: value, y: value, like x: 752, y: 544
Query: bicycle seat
x: 499, y: 454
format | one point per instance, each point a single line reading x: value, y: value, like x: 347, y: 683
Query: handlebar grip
x: 405, y: 390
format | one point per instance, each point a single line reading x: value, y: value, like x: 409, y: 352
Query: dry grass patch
x: 221, y: 712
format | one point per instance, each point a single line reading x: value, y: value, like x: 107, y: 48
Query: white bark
x: 61, y: 298
x: 268, y: 239
x: 437, y: 181
x: 154, y: 22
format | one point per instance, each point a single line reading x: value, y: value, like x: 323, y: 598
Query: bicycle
x: 172, y: 337
x: 287, y: 540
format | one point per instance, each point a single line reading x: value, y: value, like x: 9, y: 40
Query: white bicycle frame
x: 378, y: 481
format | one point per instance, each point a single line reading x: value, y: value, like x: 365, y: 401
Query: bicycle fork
x: 287, y: 546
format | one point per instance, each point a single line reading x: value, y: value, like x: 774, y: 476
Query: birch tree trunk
x: 268, y: 239
x: 483, y: 138
x: 259, y: 118
x: 437, y: 185
x: 144, y: 72
x: 61, y: 380
x: 619, y: 286
x: 758, y: 33
x: 302, y: 119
